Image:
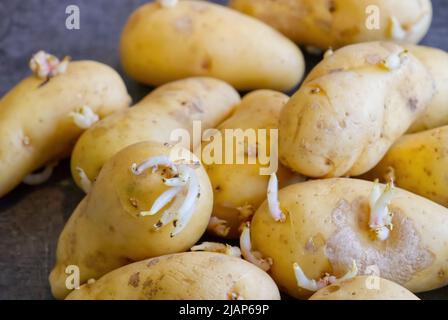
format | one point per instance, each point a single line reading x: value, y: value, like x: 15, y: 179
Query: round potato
x: 196, y: 38
x: 436, y: 61
x: 417, y: 162
x: 364, y: 288
x: 336, y: 23
x: 42, y: 117
x: 239, y: 189
x: 351, y: 108
x: 144, y: 204
x: 167, y: 109
x: 183, y: 276
x: 329, y: 227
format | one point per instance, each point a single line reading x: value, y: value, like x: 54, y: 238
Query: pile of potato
x: 375, y: 109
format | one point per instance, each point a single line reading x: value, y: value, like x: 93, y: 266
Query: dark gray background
x: 32, y: 218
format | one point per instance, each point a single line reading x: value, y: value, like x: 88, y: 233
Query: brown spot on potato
x: 413, y: 104
x: 134, y: 280
x: 207, y: 63
x: 133, y: 202
x: 153, y: 262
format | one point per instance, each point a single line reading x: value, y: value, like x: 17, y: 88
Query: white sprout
x: 84, y: 117
x: 328, y: 53
x: 380, y: 215
x: 392, y: 62
x: 153, y: 163
x: 219, y: 248
x: 273, y: 203
x: 35, y: 179
x: 312, y: 285
x: 187, y: 209
x: 168, y: 3
x: 162, y: 201
x: 85, y: 182
x: 45, y: 65
x: 253, y: 257
x: 218, y: 226
x: 185, y: 191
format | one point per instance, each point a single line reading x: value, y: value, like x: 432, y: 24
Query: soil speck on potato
x: 134, y: 280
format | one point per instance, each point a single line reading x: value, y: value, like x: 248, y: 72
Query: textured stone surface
x: 32, y: 218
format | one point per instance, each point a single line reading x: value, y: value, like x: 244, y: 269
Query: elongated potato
x: 171, y: 107
x: 436, y: 61
x: 364, y: 288
x: 183, y: 276
x: 336, y: 23
x: 239, y: 189
x: 418, y: 162
x: 351, y: 108
x: 36, y: 123
x: 129, y: 216
x: 328, y: 227
x: 197, y: 38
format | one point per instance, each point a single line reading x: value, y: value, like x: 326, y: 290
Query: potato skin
x: 173, y: 106
x: 351, y: 109
x: 238, y: 186
x: 35, y: 123
x: 197, y: 38
x: 418, y: 163
x: 183, y: 276
x: 327, y: 228
x: 106, y: 231
x: 336, y: 23
x: 358, y: 289
x: 436, y: 61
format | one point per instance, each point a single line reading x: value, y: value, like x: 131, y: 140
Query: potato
x: 196, y: 38
x: 36, y: 123
x: 171, y: 107
x: 328, y: 227
x: 239, y: 189
x: 417, y: 162
x: 183, y: 276
x: 361, y: 288
x: 351, y: 108
x: 436, y: 61
x: 336, y: 23
x: 119, y: 222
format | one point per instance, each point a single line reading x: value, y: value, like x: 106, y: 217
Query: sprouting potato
x: 239, y: 189
x: 336, y: 229
x: 351, y: 108
x: 145, y: 203
x: 42, y: 117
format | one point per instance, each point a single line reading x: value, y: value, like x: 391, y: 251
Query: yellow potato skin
x: 106, y: 231
x: 436, y: 61
x: 35, y: 123
x: 197, y: 38
x: 183, y: 276
x: 359, y: 288
x: 168, y: 108
x: 327, y: 228
x: 238, y: 186
x: 351, y: 109
x: 418, y: 163
x: 336, y: 23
